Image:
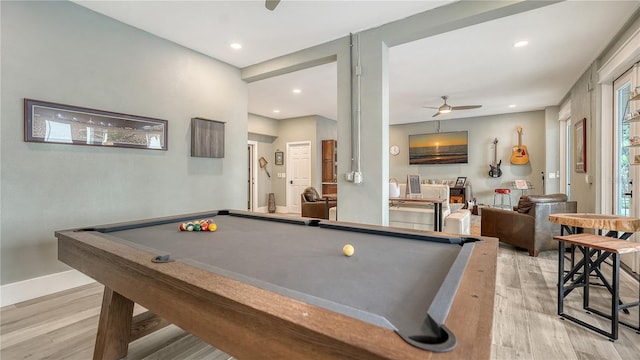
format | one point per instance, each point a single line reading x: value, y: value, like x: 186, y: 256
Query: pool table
x: 268, y: 286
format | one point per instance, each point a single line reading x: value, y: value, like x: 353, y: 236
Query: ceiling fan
x: 271, y: 4
x: 446, y: 108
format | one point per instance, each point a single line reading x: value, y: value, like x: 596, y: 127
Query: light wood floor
x: 63, y: 325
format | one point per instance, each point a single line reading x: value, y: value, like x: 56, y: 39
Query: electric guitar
x: 519, y: 154
x: 494, y: 169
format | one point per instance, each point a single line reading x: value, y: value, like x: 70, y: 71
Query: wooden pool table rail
x: 249, y: 322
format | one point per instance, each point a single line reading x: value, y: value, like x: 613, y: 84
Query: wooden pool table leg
x: 114, y: 327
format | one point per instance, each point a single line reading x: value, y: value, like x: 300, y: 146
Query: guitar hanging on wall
x: 520, y: 154
x: 494, y: 169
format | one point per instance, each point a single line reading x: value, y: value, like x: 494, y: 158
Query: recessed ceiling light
x: 236, y: 46
x: 521, y: 43
x: 512, y: 105
x: 297, y: 91
x: 276, y: 111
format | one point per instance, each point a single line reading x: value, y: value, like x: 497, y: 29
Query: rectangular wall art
x: 48, y: 122
x: 439, y: 148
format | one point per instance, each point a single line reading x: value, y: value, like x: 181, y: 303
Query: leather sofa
x: 527, y: 226
x: 314, y: 206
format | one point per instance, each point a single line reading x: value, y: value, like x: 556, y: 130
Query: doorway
x: 626, y: 169
x: 298, y: 166
x: 252, y: 175
x: 624, y: 172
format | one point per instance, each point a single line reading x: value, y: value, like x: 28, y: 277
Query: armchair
x: 314, y: 206
x: 528, y: 226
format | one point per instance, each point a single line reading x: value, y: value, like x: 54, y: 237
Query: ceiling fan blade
x: 271, y: 4
x: 436, y: 114
x: 431, y: 107
x: 466, y: 107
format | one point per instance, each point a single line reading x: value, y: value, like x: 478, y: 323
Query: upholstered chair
x: 314, y: 206
x: 527, y: 226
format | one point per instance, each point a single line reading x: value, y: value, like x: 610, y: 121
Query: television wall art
x: 439, y: 148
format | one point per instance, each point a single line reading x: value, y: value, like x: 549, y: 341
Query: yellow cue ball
x: 348, y: 250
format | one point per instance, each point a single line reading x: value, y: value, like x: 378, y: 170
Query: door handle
x: 291, y: 182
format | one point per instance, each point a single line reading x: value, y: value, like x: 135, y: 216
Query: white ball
x: 348, y: 250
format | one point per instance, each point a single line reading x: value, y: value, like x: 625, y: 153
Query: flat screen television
x: 439, y: 148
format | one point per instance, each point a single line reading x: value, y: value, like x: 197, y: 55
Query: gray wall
x: 293, y: 130
x: 61, y: 52
x: 273, y: 135
x: 264, y: 130
x: 583, y: 106
x: 552, y: 151
x: 482, y: 131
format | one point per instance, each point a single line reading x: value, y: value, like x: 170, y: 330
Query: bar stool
x: 502, y: 193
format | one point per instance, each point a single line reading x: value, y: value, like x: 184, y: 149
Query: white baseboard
x: 33, y: 288
x: 279, y: 210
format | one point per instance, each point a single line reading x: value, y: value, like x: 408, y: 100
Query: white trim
x: 621, y: 60
x: 254, y: 174
x: 45, y: 285
x: 608, y: 140
x: 565, y: 111
x: 563, y: 153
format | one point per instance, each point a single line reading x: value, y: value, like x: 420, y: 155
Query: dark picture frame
x: 580, y: 145
x: 279, y: 158
x: 461, y: 181
x: 439, y: 148
x: 48, y: 122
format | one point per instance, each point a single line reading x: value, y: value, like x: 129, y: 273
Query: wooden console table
x: 438, y: 221
x: 327, y: 198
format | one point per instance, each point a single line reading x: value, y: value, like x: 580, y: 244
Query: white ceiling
x: 474, y: 65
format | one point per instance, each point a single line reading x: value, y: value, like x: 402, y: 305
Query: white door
x: 298, y: 173
x: 626, y: 171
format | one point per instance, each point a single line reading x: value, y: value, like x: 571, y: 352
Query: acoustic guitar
x: 494, y: 169
x: 519, y: 154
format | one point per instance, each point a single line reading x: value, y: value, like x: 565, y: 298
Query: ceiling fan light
x: 445, y: 111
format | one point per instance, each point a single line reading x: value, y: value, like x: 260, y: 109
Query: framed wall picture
x: 207, y: 138
x: 48, y: 122
x: 279, y: 158
x: 413, y: 186
x: 461, y: 181
x: 580, y: 145
x: 439, y: 148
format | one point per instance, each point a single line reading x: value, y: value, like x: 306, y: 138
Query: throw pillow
x: 310, y: 195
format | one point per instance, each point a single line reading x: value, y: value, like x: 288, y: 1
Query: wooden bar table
x: 617, y: 228
x: 614, y: 224
x: 605, y: 247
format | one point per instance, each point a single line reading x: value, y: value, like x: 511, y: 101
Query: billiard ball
x: 213, y: 227
x: 204, y: 226
x: 348, y: 250
x: 190, y: 227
